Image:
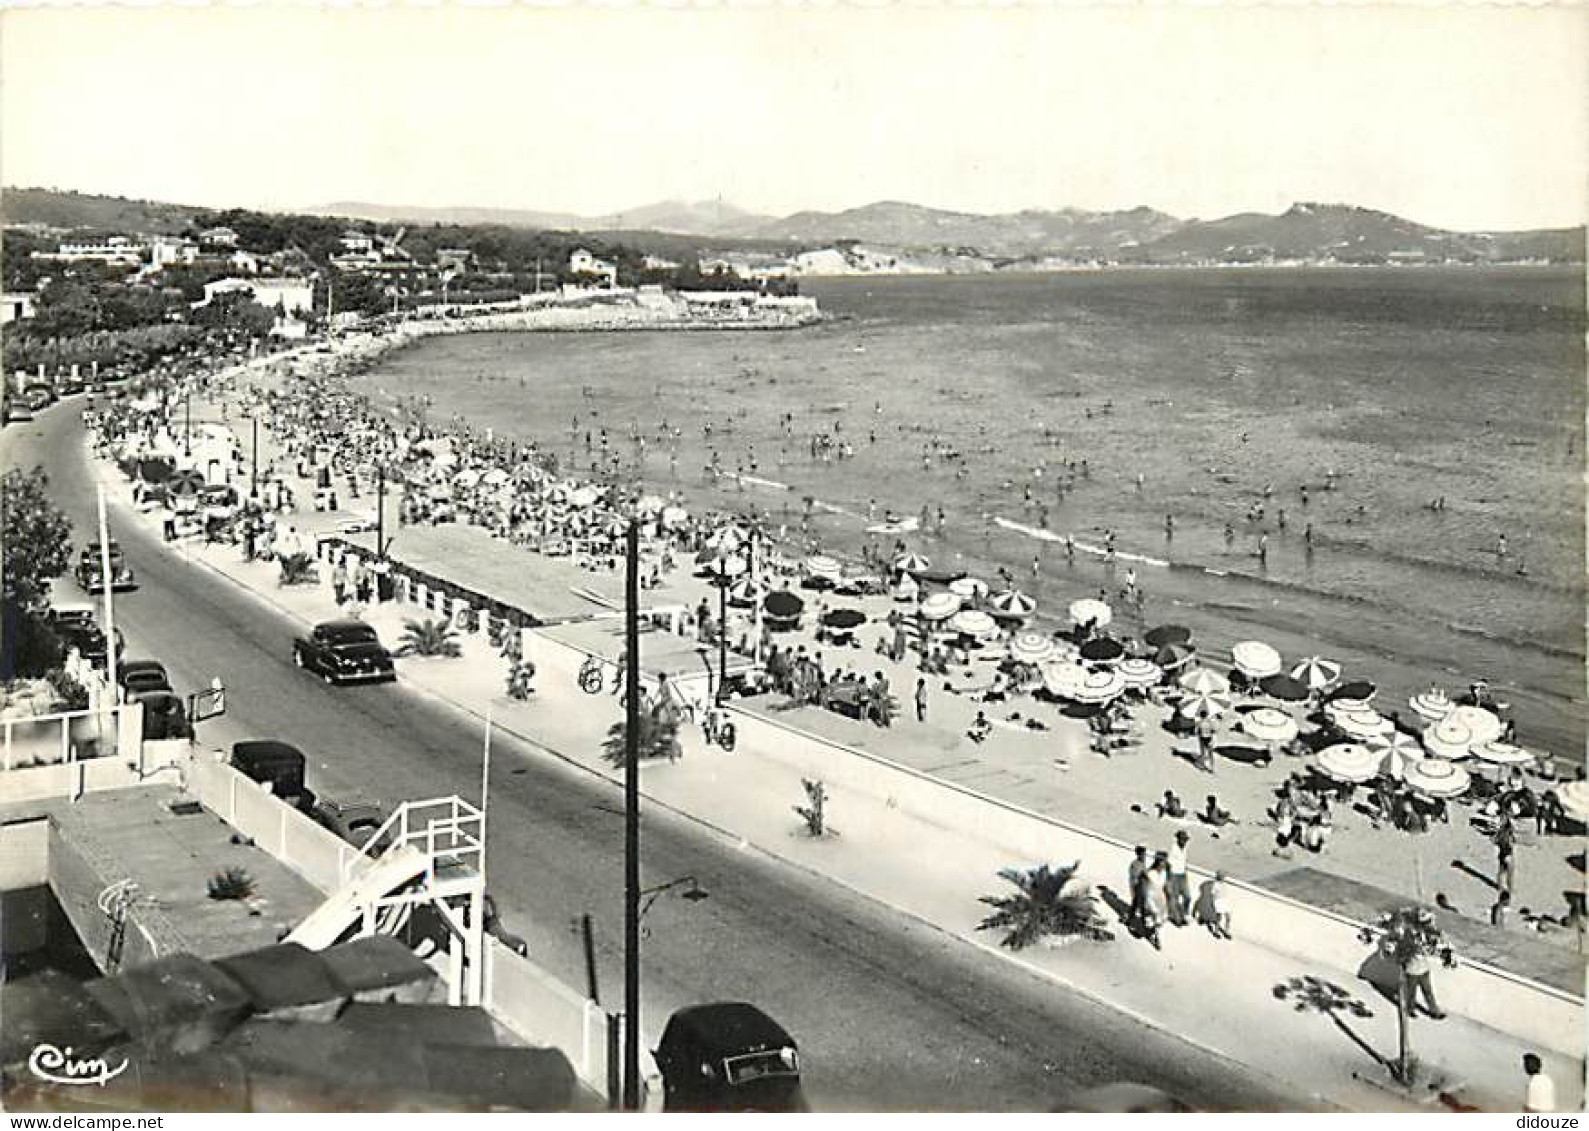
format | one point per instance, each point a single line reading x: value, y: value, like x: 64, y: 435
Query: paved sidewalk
x: 1217, y: 995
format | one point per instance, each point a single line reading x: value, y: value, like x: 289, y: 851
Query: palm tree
x: 428, y: 638
x: 1404, y: 936
x: 1042, y: 906
x: 659, y: 738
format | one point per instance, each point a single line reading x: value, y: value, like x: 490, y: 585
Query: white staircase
x: 427, y: 853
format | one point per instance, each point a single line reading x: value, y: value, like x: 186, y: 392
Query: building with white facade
x: 291, y: 295
x: 15, y: 305
x: 114, y: 250
x: 582, y: 262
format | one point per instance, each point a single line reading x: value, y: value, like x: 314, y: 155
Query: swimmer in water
x: 1169, y: 526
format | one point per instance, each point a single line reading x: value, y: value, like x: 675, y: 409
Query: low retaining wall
x: 1526, y: 1009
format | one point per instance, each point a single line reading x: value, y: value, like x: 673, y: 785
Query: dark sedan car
x: 728, y: 1056
x: 344, y: 651
x: 90, y: 572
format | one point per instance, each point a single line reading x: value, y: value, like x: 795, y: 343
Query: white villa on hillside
x: 293, y: 296
x: 582, y: 262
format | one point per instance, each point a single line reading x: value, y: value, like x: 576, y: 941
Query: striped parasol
x: 820, y: 565
x: 1347, y: 706
x: 1091, y: 609
x: 940, y: 606
x: 727, y: 539
x: 1361, y: 725
x: 1316, y: 672
x: 1483, y: 725
x: 1139, y: 673
x: 1574, y: 798
x: 721, y: 569
x: 1012, y: 603
x: 1269, y: 725
x: 912, y: 563
x: 1255, y: 659
x: 968, y: 588
x: 1031, y: 648
x: 1201, y: 706
x: 1100, y: 687
x: 1349, y: 762
x: 1448, y: 739
x: 973, y: 622
x: 1432, y: 705
x: 1201, y: 681
x: 1502, y: 753
x: 742, y: 592
x: 1064, y: 679
x: 1434, y: 777
x: 1395, y: 750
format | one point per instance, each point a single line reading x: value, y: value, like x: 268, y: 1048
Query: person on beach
x: 1135, y: 873
x: 921, y: 700
x: 339, y: 581
x: 1177, y: 891
x: 1155, y: 907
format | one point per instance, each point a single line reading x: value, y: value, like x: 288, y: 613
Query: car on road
x: 344, y: 651
x: 164, y: 714
x: 355, y: 821
x: 38, y: 397
x: 143, y: 675
x: 90, y: 569
x: 18, y: 411
x: 728, y: 1056
x: 277, y: 764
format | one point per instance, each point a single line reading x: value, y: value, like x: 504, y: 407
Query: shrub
x: 659, y: 738
x: 1041, y: 905
x: 233, y: 883
x: 813, y: 811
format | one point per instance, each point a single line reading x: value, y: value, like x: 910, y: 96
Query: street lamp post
x: 253, y: 479
x: 631, y: 827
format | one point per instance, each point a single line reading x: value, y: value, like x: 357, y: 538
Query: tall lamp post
x: 723, y: 570
x: 631, y: 823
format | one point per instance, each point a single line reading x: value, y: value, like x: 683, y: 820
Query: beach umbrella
x: 1204, y: 706
x: 1349, y: 762
x: 968, y: 588
x: 940, y: 576
x: 1031, y: 648
x: 844, y: 619
x: 1255, y: 659
x: 707, y: 555
x: 584, y: 496
x: 726, y: 538
x: 1574, y: 798
x: 650, y: 504
x: 1502, y: 753
x: 466, y: 478
x: 1012, y: 603
x: 1358, y: 689
x: 185, y: 484
x: 742, y: 592
x: 674, y: 516
x: 1103, y: 650
x: 820, y: 565
x: 495, y: 477
x: 1201, y: 681
x: 1432, y: 705
x: 1448, y: 739
x: 1063, y: 678
x: 559, y: 492
x: 440, y: 491
x: 1347, y: 706
x: 973, y: 622
x: 907, y: 589
x: 1090, y: 609
x: 1396, y: 750
x: 1269, y: 725
x: 722, y: 569
x: 783, y: 604
x: 1316, y: 673
x: 1167, y: 634
x: 1433, y: 777
x: 940, y: 606
x: 1139, y: 673
x: 1099, y: 687
x: 1483, y: 725
x: 1284, y: 688
x: 912, y: 563
x: 1362, y: 724
x: 1172, y: 656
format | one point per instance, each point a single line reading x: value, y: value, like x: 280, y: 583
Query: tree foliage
x: 38, y: 537
x: 428, y: 637
x: 1043, y: 903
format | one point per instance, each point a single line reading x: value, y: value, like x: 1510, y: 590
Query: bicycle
x: 591, y: 678
x: 719, y: 730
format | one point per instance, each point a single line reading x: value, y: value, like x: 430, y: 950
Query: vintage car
x: 344, y: 651
x: 355, y: 821
x: 279, y: 765
x: 143, y: 675
x: 164, y: 714
x: 728, y: 1056
x: 90, y: 569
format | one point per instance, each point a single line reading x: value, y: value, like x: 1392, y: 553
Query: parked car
x: 164, y: 714
x: 38, y: 397
x: 90, y: 569
x: 354, y: 821
x: 18, y: 411
x: 148, y: 673
x: 344, y: 651
x: 279, y: 765
x: 728, y: 1056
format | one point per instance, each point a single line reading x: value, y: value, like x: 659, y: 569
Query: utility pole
x: 380, y: 512
x: 187, y: 422
x: 110, y: 606
x: 631, y: 825
x: 253, y: 480
x: 722, y: 630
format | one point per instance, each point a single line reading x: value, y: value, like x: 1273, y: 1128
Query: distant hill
x: 1304, y: 233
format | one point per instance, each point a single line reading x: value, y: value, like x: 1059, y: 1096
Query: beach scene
x: 802, y: 558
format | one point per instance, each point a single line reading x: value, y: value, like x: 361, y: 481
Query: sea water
x: 1410, y: 385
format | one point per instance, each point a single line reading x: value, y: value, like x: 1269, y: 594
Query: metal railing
x: 439, y: 828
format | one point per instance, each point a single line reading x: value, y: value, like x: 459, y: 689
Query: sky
x: 1461, y: 117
